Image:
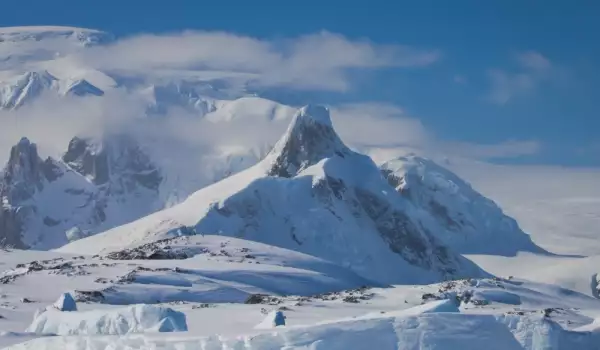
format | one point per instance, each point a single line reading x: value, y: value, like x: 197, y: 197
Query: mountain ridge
x: 330, y: 202
x: 476, y: 225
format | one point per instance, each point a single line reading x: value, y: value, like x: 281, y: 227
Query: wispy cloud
x: 533, y: 60
x: 507, y: 85
x: 506, y: 149
x: 460, y: 79
x: 377, y: 125
x: 369, y: 127
x: 385, y: 131
x: 317, y: 61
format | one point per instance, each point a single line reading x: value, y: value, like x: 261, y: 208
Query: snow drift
x: 443, y: 330
x: 65, y: 303
x: 133, y: 319
x: 273, y: 319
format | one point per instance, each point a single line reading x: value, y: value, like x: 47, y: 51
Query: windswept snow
x: 131, y: 319
x: 421, y: 331
x: 213, y: 286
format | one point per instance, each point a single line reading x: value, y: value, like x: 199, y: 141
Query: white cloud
x: 505, y: 85
x: 375, y: 128
x: 460, y: 79
x: 377, y: 125
x: 316, y: 61
x: 533, y: 60
x: 384, y: 131
x: 506, y: 149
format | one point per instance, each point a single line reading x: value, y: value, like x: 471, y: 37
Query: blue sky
x: 506, y: 70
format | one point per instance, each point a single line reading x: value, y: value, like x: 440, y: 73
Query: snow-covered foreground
x: 424, y: 331
x: 226, y: 287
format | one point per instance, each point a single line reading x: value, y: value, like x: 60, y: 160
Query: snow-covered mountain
x: 193, y: 203
x: 77, y: 36
x: 35, y: 48
x: 95, y: 186
x: 474, y: 223
x: 26, y: 87
x: 112, y: 180
x: 24, y: 176
x: 311, y: 194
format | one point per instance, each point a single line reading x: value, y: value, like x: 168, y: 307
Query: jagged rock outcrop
x: 117, y: 158
x: 24, y: 175
x: 472, y: 223
x: 95, y: 186
x: 309, y: 139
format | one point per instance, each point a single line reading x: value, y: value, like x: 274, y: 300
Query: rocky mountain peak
x: 96, y: 184
x: 24, y: 175
x: 114, y: 158
x: 26, y: 172
x: 309, y: 138
x: 23, y: 170
x: 88, y: 159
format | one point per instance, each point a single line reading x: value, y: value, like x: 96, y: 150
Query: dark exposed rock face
x: 116, y: 167
x: 119, y: 155
x: 309, y: 139
x: 404, y: 237
x: 24, y: 175
x: 10, y: 229
x: 81, y: 157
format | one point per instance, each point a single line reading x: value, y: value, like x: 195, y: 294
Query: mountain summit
x: 309, y: 138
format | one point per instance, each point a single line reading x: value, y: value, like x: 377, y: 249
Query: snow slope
x: 311, y: 194
x: 217, y: 270
x: 506, y: 312
x: 210, y: 279
x: 550, y: 203
x: 476, y: 225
